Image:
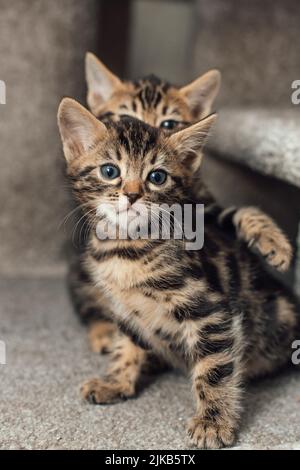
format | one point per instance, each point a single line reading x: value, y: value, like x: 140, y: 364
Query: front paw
x: 208, y: 434
x: 99, y: 392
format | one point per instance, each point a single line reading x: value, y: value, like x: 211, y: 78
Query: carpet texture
x: 48, y: 358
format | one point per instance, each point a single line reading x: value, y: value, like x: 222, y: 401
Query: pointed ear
x: 79, y: 129
x: 190, y: 141
x: 100, y: 81
x: 201, y: 93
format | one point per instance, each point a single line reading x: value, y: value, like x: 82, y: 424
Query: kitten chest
x: 147, y: 312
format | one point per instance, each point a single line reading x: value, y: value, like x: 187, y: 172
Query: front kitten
x: 213, y: 312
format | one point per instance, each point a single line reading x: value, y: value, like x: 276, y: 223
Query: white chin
x: 131, y: 225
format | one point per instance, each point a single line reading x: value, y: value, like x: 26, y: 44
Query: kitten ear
x: 101, y: 82
x: 201, y: 93
x: 190, y: 141
x: 79, y: 129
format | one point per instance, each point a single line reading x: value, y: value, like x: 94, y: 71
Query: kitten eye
x: 157, y: 177
x: 169, y: 124
x: 110, y: 172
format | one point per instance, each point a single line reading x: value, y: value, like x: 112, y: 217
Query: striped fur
x: 214, y: 312
x: 156, y: 101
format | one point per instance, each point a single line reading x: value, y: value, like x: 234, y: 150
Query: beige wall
x: 42, y: 47
x: 160, y: 39
x: 254, y: 43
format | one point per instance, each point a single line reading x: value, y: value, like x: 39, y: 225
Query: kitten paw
x: 206, y: 434
x: 261, y: 233
x: 101, y: 337
x: 277, y: 252
x: 98, y: 392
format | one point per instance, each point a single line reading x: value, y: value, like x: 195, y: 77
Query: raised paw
x: 209, y: 434
x: 99, y: 392
x: 101, y: 336
x: 261, y: 233
x: 277, y: 252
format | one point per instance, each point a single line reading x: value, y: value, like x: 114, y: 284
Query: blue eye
x: 110, y: 172
x: 157, y: 177
x: 169, y: 124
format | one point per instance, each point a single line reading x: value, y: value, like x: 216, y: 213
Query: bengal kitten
x: 162, y: 105
x: 213, y: 312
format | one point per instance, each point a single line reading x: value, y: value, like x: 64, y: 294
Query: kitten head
x: 150, y: 99
x: 115, y: 168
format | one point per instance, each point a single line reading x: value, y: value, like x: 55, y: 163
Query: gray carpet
x: 48, y: 358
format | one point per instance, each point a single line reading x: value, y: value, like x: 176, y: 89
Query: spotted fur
x: 213, y: 312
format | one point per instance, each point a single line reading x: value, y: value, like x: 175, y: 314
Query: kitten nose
x: 133, y: 190
x: 133, y: 197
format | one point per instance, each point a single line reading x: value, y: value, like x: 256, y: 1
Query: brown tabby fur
x: 155, y: 101
x: 214, y: 312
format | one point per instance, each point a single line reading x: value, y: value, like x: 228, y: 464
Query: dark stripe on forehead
x: 150, y: 91
x: 158, y: 99
x: 136, y: 137
x: 150, y: 143
x: 123, y: 138
x: 142, y: 99
x: 153, y: 96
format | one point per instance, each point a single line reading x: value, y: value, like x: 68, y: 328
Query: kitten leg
x: 262, y: 233
x: 92, y: 309
x: 217, y: 389
x: 122, y: 377
x: 100, y: 335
